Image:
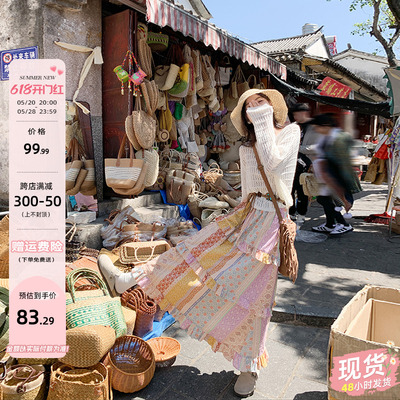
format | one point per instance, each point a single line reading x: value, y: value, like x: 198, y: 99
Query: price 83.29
x: 31, y: 317
x: 34, y: 201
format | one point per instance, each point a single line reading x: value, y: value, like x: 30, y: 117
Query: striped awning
x: 163, y: 13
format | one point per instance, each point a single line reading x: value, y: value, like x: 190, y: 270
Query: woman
x: 220, y: 283
x: 334, y: 170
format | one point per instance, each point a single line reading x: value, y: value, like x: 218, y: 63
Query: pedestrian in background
x: 307, y: 151
x: 333, y: 168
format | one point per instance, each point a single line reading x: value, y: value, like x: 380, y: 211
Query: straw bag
x: 142, y: 252
x: 92, y: 307
x: 88, y: 187
x: 132, y: 364
x: 179, y: 185
x: 142, y: 231
x: 181, y: 85
x: 223, y: 74
x: 311, y: 186
x: 73, y: 165
x: 4, y: 249
x: 157, y: 41
x: 144, y: 126
x: 239, y: 84
x: 151, y: 159
x: 136, y: 299
x: 289, y: 263
x: 130, y: 319
x: 72, y: 243
x: 24, y: 382
x: 88, y: 345
x: 145, y: 57
x: 69, y: 383
x: 214, y: 174
x: 123, y: 173
x: 193, y: 203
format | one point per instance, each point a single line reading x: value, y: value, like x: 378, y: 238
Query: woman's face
x: 255, y: 100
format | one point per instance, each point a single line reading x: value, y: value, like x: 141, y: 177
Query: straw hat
x: 277, y: 101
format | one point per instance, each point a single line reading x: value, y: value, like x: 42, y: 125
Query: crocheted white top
x: 278, y: 155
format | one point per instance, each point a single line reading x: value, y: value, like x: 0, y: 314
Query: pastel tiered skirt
x: 220, y: 284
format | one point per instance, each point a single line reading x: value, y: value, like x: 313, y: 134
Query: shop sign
x: 7, y: 56
x: 331, y: 87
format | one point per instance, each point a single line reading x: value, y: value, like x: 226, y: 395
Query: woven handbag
x: 73, y: 164
x: 136, y: 299
x: 123, y: 173
x: 157, y: 41
x: 152, y: 159
x: 69, y: 383
x: 4, y: 251
x: 142, y: 231
x: 132, y: 364
x: 88, y: 345
x: 24, y: 382
x: 144, y: 126
x: 92, y: 307
x: 142, y: 252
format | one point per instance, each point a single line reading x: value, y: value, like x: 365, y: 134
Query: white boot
x: 245, y: 384
x: 117, y: 280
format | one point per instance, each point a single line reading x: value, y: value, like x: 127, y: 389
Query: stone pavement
x: 330, y: 274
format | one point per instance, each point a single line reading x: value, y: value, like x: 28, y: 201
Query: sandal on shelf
x: 323, y: 228
x: 339, y: 229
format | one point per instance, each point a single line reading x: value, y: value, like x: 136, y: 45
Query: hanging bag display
x: 123, y: 173
x: 92, y: 307
x: 289, y: 263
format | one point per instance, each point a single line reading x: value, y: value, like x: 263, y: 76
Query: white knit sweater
x: 278, y: 155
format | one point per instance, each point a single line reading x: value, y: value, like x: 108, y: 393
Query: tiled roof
x: 288, y: 44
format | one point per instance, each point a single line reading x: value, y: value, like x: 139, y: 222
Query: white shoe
x: 340, y: 228
x: 245, y: 384
x: 323, y: 228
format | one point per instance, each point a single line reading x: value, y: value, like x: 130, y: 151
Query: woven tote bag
x: 123, y: 173
x: 88, y: 345
x: 24, y: 382
x: 69, y: 383
x: 142, y: 252
x: 144, y: 126
x: 92, y: 307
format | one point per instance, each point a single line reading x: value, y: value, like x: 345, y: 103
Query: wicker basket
x: 165, y: 350
x: 132, y: 363
x: 88, y: 345
x: 68, y: 383
x: 141, y: 252
x: 145, y: 308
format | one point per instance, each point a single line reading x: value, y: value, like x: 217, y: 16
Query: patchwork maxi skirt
x: 220, y: 284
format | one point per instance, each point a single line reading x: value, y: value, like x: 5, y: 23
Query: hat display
x: 300, y: 107
x: 326, y: 119
x: 277, y: 101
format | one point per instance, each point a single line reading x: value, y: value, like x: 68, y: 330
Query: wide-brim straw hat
x: 277, y: 102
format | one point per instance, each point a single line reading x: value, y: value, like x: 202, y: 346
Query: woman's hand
x: 253, y: 104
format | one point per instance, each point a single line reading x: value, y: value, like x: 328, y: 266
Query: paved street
x: 330, y: 274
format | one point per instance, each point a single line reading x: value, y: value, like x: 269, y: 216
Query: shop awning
x: 363, y: 107
x: 164, y: 13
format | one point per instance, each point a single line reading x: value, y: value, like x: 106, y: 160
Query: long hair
x: 250, y: 138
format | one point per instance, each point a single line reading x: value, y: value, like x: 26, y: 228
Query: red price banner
x: 37, y: 208
x: 331, y: 87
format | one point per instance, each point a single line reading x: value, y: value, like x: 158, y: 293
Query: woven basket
x: 165, y: 350
x: 132, y: 363
x: 145, y: 308
x: 20, y: 385
x: 4, y: 252
x: 72, y: 244
x: 88, y: 345
x: 141, y: 252
x: 68, y: 383
x: 214, y: 174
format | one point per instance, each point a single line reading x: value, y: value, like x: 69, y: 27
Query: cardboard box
x: 367, y: 322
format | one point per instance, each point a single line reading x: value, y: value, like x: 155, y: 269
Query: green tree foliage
x: 384, y: 25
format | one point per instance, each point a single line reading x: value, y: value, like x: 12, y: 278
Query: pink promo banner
x: 37, y: 208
